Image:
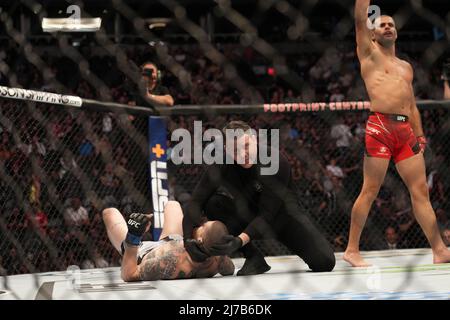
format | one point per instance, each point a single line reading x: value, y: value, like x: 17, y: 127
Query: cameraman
x: 152, y: 91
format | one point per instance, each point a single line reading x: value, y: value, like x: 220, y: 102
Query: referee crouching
x: 253, y: 205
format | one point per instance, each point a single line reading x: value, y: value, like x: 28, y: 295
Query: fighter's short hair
x: 213, y: 234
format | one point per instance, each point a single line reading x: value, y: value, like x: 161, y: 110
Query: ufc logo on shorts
x: 373, y: 130
x: 131, y: 222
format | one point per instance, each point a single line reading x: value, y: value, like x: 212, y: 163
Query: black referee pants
x: 291, y: 227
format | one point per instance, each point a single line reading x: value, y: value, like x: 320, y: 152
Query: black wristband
x: 133, y: 239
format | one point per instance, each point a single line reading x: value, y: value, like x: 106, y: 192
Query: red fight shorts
x: 390, y: 135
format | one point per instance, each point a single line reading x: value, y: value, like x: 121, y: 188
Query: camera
x: 147, y: 72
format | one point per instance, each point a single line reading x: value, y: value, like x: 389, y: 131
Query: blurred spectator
x: 446, y: 78
x: 37, y: 146
x: 297, y: 173
x: 412, y: 234
x: 56, y: 127
x: 441, y: 217
x: 95, y: 260
x: 107, y: 125
x: 16, y: 222
x: 25, y: 142
x: 445, y: 233
x: 70, y: 259
x: 86, y: 148
x: 340, y: 243
x: 121, y: 169
x: 12, y: 261
x: 103, y: 148
x: 87, y: 264
x: 37, y: 219
x: 44, y: 262
x: 6, y: 146
x: 56, y: 236
x: 336, y: 95
x: 334, y: 169
x: 436, y: 188
x: 76, y: 215
x: 342, y: 134
x: 68, y: 164
x: 98, y: 260
x: 35, y: 190
x: 290, y: 97
x: 391, y: 239
x: 3, y: 271
x: 109, y: 181
x: 276, y: 99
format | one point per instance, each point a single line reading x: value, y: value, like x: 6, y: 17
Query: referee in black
x: 253, y: 206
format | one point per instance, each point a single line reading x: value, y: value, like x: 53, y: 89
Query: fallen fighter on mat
x: 164, y: 259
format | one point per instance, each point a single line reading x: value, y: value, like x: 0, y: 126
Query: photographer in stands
x: 152, y: 91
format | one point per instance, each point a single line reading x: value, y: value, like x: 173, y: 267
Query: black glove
x: 195, y: 250
x: 229, y: 245
x: 137, y: 223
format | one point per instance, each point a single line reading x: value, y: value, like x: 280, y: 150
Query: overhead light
x: 157, y: 25
x: 154, y: 23
x: 71, y: 25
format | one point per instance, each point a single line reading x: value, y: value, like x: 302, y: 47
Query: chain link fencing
x: 54, y: 160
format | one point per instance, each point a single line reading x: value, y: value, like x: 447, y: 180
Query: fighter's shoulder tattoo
x: 162, y: 265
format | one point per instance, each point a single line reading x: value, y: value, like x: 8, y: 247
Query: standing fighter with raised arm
x: 393, y: 129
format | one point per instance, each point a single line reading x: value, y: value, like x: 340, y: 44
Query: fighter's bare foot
x: 355, y: 259
x: 441, y: 256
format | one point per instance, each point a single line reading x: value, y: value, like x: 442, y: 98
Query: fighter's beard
x: 386, y: 43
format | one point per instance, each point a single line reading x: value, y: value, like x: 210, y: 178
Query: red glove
x: 422, y: 143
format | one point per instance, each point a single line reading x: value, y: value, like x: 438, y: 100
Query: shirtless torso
x: 388, y: 79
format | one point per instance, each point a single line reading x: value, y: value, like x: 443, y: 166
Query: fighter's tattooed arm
x: 214, y: 265
x: 171, y: 261
x: 129, y: 270
x: 226, y: 266
x: 158, y: 267
x: 164, y: 264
